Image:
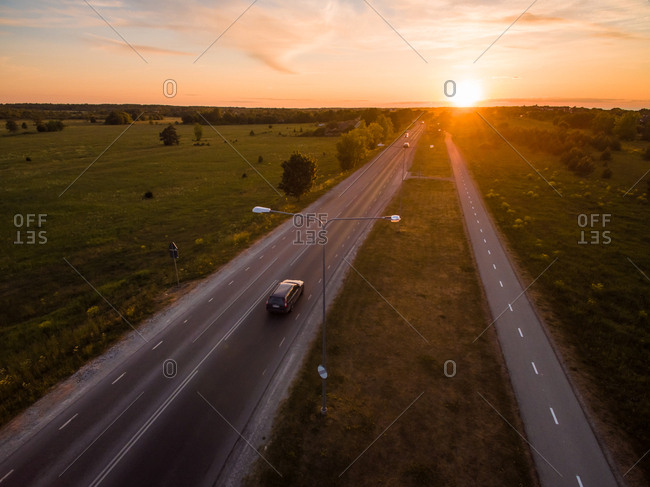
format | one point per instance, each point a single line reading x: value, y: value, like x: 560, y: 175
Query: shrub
x: 607, y: 173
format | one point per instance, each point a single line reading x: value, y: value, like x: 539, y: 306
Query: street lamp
x: 322, y: 368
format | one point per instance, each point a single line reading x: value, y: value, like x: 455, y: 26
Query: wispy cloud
x: 118, y: 46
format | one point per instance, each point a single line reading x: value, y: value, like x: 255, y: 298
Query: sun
x: 468, y: 93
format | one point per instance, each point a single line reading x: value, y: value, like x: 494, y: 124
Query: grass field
x: 597, y: 295
x: 436, y: 391
x: 51, y: 321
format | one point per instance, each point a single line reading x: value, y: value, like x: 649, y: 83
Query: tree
x: 198, y: 131
x: 118, y: 118
x: 299, y: 175
x: 375, y: 134
x: 625, y: 126
x: 169, y: 135
x: 350, y: 150
x: 24, y: 125
x: 11, y: 126
x: 603, y: 122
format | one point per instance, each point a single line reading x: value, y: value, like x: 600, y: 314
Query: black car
x: 284, y: 296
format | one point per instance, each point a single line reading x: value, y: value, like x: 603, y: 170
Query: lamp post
x: 322, y: 368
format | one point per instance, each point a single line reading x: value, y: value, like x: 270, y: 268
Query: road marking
x: 123, y: 374
x: 273, y: 247
x: 489, y: 253
x: 494, y: 266
x: 68, y: 421
x: 210, y: 300
x: 297, y: 316
x: 125, y: 449
x: 501, y: 283
x: 284, y: 238
x: 260, y: 257
x: 8, y: 474
x: 520, y: 333
x: 230, y: 282
x: 263, y: 372
x: 554, y: 418
x: 157, y: 345
x: 309, y: 297
x: 247, y: 269
x: 100, y: 434
x: 329, y: 266
x: 481, y: 230
x: 484, y: 241
x: 320, y: 280
x: 477, y: 220
x: 281, y: 342
x: 184, y: 321
x: 475, y: 215
x: 535, y: 368
x: 577, y: 477
x: 510, y: 306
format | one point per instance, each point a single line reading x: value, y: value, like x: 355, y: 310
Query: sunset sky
x: 317, y: 53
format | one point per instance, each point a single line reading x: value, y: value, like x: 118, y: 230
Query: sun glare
x: 468, y: 93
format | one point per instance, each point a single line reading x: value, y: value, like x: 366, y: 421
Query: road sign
x: 173, y: 250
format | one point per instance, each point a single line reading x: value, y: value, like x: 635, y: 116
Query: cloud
x: 119, y: 45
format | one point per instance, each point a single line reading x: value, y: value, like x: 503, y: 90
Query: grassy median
x: 412, y: 401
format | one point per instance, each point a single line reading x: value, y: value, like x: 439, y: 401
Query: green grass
x: 379, y: 365
x: 51, y: 321
x: 599, y: 302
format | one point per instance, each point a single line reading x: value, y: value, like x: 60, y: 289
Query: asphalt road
x: 172, y: 412
x: 561, y: 439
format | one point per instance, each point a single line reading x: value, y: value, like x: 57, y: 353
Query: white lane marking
x: 237, y: 298
x: 263, y: 372
x: 68, y: 421
x: 520, y: 333
x: 481, y: 230
x: 329, y: 266
x: 494, y: 266
x: 484, y: 241
x: 554, y: 418
x: 281, y: 342
x: 284, y: 238
x: 535, y: 368
x: 246, y: 268
x: 184, y: 321
x: 319, y: 281
x: 297, y: 316
x: 309, y: 297
x: 230, y: 282
x: 100, y: 434
x: 489, y: 253
x: 336, y: 256
x: 475, y: 215
x: 260, y: 257
x: 157, y: 345
x: 210, y: 300
x: 7, y: 475
x: 579, y: 481
x: 273, y: 247
x: 123, y: 374
x: 478, y: 221
x: 125, y: 449
x: 500, y: 283
x: 510, y: 306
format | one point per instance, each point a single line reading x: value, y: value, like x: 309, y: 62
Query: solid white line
x: 579, y: 481
x: 125, y: 449
x: 100, y: 434
x: 554, y: 418
x: 501, y: 283
x: 281, y: 342
x: 68, y: 421
x: 510, y: 306
x: 8, y: 474
x: 535, y: 368
x: 157, y: 345
x: 520, y: 333
x: 123, y: 374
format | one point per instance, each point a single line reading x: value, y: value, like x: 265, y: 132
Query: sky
x: 326, y: 53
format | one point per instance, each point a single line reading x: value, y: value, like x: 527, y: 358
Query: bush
x: 646, y: 154
x: 606, y: 155
x: 607, y: 173
x: 118, y: 118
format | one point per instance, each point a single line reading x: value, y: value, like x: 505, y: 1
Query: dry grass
x: 382, y: 371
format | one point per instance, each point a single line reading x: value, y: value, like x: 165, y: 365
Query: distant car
x: 406, y: 135
x: 406, y: 145
x: 284, y: 296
